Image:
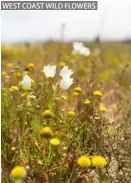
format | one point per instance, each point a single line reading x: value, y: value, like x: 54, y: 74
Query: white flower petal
x: 50, y: 71
x: 85, y: 51
x: 65, y: 72
x: 79, y: 48
x: 66, y: 83
x: 26, y: 83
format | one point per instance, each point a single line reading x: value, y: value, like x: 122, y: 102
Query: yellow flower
x: 55, y: 142
x: 76, y: 94
x: 130, y: 87
x: 98, y: 161
x: 84, y: 161
x: 97, y: 93
x: 62, y: 64
x: 78, y: 89
x: 71, y: 113
x: 48, y: 114
x: 31, y: 65
x: 14, y: 88
x: 46, y: 132
x: 13, y: 148
x: 18, y: 172
x: 87, y: 101
x: 103, y: 109
x: 17, y: 74
x: 4, y: 73
x: 9, y: 65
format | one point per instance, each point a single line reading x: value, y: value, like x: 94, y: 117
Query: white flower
x: 26, y: 83
x: 79, y: 48
x: 65, y: 72
x: 50, y: 71
x: 85, y: 51
x: 65, y: 83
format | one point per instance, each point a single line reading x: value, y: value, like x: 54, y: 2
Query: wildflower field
x: 66, y: 113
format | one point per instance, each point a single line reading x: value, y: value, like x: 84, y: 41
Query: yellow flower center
x: 55, y: 142
x: 14, y: 88
x: 48, y: 114
x: 87, y: 101
x: 46, y: 132
x: 78, y: 89
x: 18, y: 172
x: 84, y: 161
x: 99, y: 161
x: 103, y: 109
x: 31, y: 65
x: 97, y: 93
x: 71, y: 113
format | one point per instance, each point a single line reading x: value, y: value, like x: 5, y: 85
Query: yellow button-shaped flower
x: 103, y: 109
x: 9, y: 65
x: 71, y: 113
x: 14, y: 88
x: 76, y: 94
x: 17, y: 74
x: 13, y: 148
x: 62, y: 64
x: 87, y: 102
x: 18, y: 172
x: 98, y: 161
x: 31, y: 65
x: 84, y: 161
x: 97, y: 93
x: 48, y: 114
x: 78, y: 89
x: 46, y: 132
x: 54, y: 142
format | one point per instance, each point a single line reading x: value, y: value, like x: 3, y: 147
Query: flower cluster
x: 66, y: 81
x: 97, y: 161
x: 65, y: 73
x: 79, y: 48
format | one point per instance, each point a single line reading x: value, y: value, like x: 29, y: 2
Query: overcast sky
x: 112, y: 20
